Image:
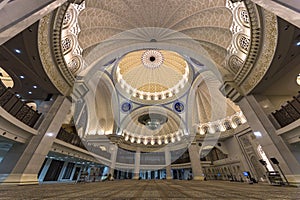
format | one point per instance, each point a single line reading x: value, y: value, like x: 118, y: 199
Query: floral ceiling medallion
x: 152, y: 59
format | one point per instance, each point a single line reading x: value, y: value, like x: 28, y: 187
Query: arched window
x: 32, y: 105
x: 227, y: 125
x: 6, y: 78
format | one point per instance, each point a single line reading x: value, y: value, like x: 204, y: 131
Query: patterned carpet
x: 152, y: 189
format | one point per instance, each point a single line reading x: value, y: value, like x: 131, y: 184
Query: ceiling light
x: 202, y: 132
x: 132, y: 140
x: 22, y: 77
x: 145, y: 141
x: 50, y: 134
x: 257, y: 134
x: 298, y: 79
x: 18, y: 95
x: 29, y: 92
x: 18, y: 51
x: 152, y: 141
x: 34, y: 86
x: 166, y: 140
x: 159, y: 141
x: 172, y: 139
x: 298, y: 44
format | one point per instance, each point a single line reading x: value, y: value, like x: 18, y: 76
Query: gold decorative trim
x: 255, y: 43
x: 46, y: 56
x: 267, y: 52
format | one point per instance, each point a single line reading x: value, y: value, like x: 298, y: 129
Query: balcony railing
x: 288, y: 113
x: 13, y: 105
x: 74, y: 139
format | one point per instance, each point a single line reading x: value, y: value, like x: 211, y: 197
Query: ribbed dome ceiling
x: 152, y: 74
x: 205, y: 21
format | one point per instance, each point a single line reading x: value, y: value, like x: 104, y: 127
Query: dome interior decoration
x: 152, y: 74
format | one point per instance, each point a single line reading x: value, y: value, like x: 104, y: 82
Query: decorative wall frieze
x: 252, y: 51
x: 47, y: 57
x: 58, y: 42
x: 69, y: 33
x: 228, y: 123
x: 240, y: 28
x: 265, y: 52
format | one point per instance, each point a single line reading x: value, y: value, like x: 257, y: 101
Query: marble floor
x: 152, y: 189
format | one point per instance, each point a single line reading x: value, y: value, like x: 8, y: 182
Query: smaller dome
x: 152, y: 74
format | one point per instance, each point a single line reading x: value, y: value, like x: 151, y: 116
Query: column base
x: 18, y: 179
x: 136, y: 176
x: 198, y: 178
x: 169, y: 178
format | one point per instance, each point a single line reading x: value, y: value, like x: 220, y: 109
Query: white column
x: 273, y: 145
x: 137, y: 160
x: 168, y: 163
x: 113, y: 158
x: 195, y: 162
x: 22, y: 164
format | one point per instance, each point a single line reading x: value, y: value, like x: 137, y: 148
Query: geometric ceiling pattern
x: 152, y: 74
x: 206, y: 22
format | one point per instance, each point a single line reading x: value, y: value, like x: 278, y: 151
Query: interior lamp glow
x: 152, y: 141
x: 222, y: 127
x: 257, y: 134
x: 202, y: 131
x: 166, y: 140
x: 211, y: 130
x: 126, y: 137
x: 243, y: 119
x: 132, y: 140
x: 159, y: 141
x: 233, y: 125
x: 92, y: 132
x: 172, y: 139
x: 185, y: 132
x: 100, y: 132
x: 50, y: 134
x: 145, y: 141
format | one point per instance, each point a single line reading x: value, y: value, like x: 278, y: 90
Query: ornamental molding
x: 266, y: 54
x: 223, y: 125
x: 61, y: 53
x: 263, y: 42
x: 57, y: 46
x: 255, y: 39
x: 47, y: 58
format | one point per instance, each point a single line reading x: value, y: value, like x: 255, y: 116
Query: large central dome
x: 152, y: 74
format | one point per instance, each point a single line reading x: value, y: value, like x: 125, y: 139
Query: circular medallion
x: 126, y: 107
x: 179, y: 107
x: 152, y: 59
